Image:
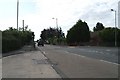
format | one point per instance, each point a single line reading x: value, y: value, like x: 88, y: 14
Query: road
x: 109, y: 54
x: 83, y: 61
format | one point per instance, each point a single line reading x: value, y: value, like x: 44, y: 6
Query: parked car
x: 41, y: 42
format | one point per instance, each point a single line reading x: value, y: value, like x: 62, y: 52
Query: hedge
x: 13, y: 39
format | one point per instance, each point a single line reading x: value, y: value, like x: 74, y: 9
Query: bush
x: 10, y: 43
x: 13, y: 39
x: 108, y: 36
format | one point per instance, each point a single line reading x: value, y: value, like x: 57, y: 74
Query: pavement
x: 30, y: 64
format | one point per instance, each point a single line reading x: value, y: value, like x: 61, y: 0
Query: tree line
x: 53, y: 35
x: 80, y: 34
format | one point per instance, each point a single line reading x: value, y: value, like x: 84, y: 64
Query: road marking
x: 109, y: 62
x: 66, y: 51
x: 101, y: 52
x: 108, y: 50
x: 82, y: 49
x: 72, y: 47
x: 81, y: 56
x: 74, y: 54
x: 85, y: 56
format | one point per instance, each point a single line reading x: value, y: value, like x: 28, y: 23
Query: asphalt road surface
x: 109, y: 54
x: 83, y: 61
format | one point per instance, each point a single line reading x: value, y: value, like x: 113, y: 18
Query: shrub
x: 13, y: 39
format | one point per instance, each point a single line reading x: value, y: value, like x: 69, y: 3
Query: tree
x: 118, y: 37
x: 78, y: 33
x: 53, y: 35
x: 108, y: 36
x: 99, y: 26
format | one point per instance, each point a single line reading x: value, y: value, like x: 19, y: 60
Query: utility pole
x: 23, y: 25
x: 56, y: 19
x: 56, y: 22
x: 115, y: 28
x: 17, y: 12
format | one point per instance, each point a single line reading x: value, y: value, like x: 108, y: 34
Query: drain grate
x: 42, y: 61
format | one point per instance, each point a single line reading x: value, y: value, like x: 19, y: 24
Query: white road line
x: 85, y: 56
x: 79, y: 55
x: 108, y: 50
x: 72, y: 47
x: 109, y: 62
x: 101, y: 52
x: 66, y: 51
x: 74, y: 54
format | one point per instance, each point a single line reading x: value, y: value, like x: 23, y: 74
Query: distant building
x: 119, y: 14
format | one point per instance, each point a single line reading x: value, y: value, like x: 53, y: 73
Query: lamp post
x: 17, y: 12
x: 115, y: 27
x: 23, y: 25
x: 56, y: 22
x: 57, y: 29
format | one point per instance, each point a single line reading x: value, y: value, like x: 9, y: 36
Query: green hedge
x: 13, y: 39
x: 107, y: 36
x: 10, y: 44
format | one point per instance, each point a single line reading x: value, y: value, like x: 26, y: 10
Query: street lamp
x: 17, y: 12
x: 115, y: 27
x: 56, y: 22
x: 57, y: 28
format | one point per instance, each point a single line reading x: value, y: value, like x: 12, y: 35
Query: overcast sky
x: 38, y: 14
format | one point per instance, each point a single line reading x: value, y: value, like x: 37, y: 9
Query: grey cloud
x: 99, y: 12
